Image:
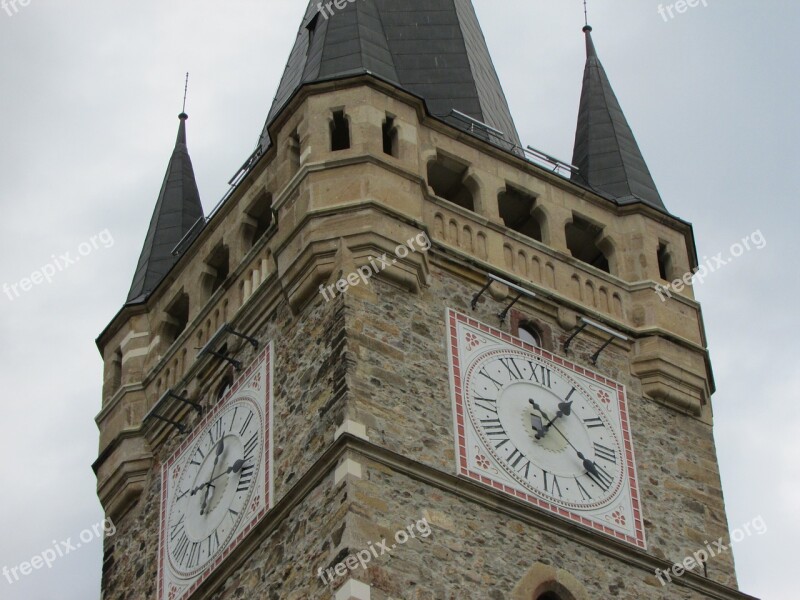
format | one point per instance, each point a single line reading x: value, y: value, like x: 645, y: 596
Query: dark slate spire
x: 432, y: 48
x: 606, y: 153
x: 178, y: 208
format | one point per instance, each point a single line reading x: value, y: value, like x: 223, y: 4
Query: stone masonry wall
x: 401, y: 393
x: 310, y: 385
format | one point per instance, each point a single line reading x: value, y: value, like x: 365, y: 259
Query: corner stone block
x: 353, y: 590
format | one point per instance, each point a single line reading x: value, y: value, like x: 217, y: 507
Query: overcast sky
x: 88, y: 117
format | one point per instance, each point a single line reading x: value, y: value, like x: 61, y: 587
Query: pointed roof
x: 434, y: 49
x: 606, y: 152
x: 178, y: 208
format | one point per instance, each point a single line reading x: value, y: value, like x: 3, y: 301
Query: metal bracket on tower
x: 613, y: 335
x: 520, y: 293
x: 219, y: 336
x: 169, y: 394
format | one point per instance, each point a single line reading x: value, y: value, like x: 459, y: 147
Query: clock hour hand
x: 538, y: 426
x: 234, y: 468
x: 564, y: 410
x: 539, y: 408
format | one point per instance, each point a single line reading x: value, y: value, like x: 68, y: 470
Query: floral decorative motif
x: 173, y: 592
x: 603, y: 396
x: 473, y: 341
x: 256, y: 384
x: 618, y: 517
x: 256, y: 502
x: 482, y: 462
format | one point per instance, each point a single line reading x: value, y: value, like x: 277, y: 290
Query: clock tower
x: 408, y: 356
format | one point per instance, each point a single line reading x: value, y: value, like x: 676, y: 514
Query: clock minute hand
x: 220, y: 449
x: 587, y: 464
x: 234, y: 468
x: 538, y: 426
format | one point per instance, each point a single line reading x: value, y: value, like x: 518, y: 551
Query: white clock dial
x: 215, y: 487
x: 218, y: 484
x: 544, y: 429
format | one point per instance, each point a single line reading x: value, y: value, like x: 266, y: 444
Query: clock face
x: 217, y: 485
x: 543, y: 429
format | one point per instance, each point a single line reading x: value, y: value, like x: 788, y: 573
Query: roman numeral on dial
x: 511, y: 366
x: 489, y: 404
x: 496, y: 383
x: 518, y: 461
x: 181, y: 548
x: 245, y: 478
x: 194, y: 555
x: 601, y: 479
x: 215, y: 433
x: 594, y: 422
x: 233, y: 418
x: 585, y: 495
x: 246, y: 424
x: 176, y: 528
x: 494, y: 431
x: 250, y: 447
x: 606, y: 453
x: 540, y: 374
x: 213, y: 543
x: 554, y: 486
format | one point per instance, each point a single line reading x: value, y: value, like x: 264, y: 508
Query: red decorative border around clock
x: 453, y: 319
x: 264, y: 358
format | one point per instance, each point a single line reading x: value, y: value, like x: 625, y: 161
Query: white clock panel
x: 542, y: 429
x: 218, y: 485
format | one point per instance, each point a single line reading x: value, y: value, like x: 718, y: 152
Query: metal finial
x: 185, y: 92
x: 585, y: 13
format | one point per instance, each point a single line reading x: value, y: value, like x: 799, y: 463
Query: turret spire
x: 177, y: 209
x: 435, y: 50
x: 606, y: 152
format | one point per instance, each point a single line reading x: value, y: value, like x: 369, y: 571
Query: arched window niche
x: 544, y: 582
